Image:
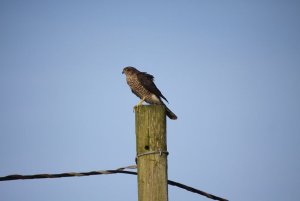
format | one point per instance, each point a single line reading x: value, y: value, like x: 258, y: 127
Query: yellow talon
x: 139, y: 104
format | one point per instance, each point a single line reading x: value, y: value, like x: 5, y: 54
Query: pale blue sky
x: 230, y: 70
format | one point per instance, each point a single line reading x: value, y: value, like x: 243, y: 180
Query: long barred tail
x: 170, y: 114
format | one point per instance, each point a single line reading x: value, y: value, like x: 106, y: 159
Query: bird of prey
x: 142, y: 85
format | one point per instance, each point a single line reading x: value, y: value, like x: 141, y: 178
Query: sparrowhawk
x: 142, y: 85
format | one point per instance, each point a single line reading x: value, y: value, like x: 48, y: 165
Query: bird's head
x: 129, y: 70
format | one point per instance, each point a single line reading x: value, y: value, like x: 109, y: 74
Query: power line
x: 101, y: 172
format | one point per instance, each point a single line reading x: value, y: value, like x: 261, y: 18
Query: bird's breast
x: 139, y: 90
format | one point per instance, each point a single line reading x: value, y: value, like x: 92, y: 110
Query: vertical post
x: 151, y: 147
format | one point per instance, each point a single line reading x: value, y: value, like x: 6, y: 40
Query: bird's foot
x: 141, y: 102
x: 136, y: 108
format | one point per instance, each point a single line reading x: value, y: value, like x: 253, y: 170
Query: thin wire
x: 119, y: 170
x: 160, y: 152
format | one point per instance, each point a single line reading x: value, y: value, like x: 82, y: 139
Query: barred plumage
x: 142, y: 85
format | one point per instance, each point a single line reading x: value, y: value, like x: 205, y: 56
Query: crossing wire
x: 102, y: 172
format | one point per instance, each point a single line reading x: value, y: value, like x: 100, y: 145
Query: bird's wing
x: 147, y: 81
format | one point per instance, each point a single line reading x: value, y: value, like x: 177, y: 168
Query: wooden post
x: 151, y: 147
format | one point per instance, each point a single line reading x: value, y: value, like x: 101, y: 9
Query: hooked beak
x: 123, y: 72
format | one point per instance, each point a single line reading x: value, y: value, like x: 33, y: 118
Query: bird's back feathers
x: 147, y: 81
